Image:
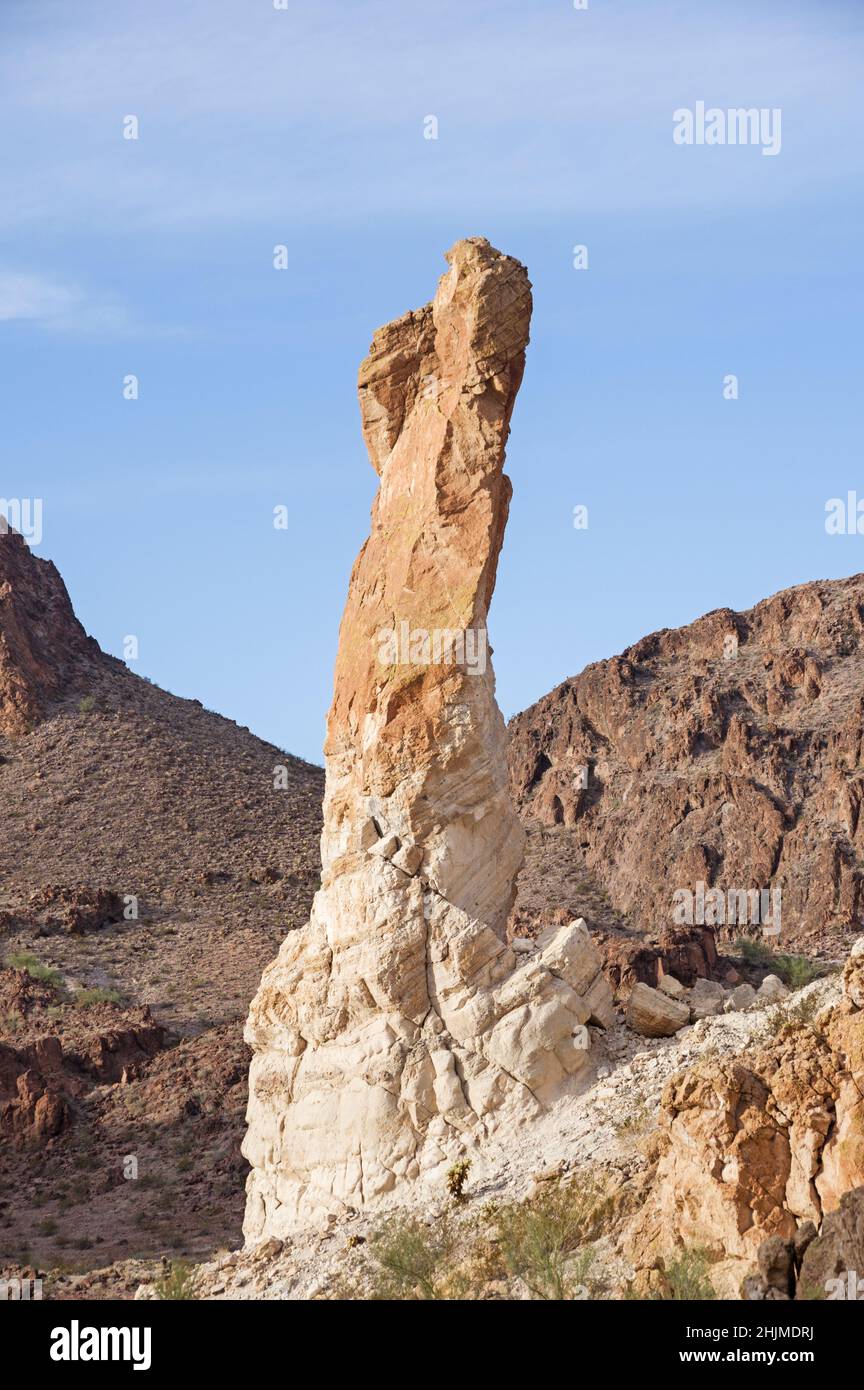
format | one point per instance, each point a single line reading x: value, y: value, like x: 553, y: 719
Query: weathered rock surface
x: 771, y: 991
x: 726, y: 753
x: 43, y: 1071
x: 836, y: 1253
x: 707, y: 997
x: 814, y: 1264
x: 654, y: 1014
x: 741, y: 997
x: 42, y: 644
x: 752, y: 1146
x: 397, y: 1027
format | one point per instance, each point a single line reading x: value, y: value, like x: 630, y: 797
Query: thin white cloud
x: 32, y: 298
x: 37, y: 300
x: 27, y: 298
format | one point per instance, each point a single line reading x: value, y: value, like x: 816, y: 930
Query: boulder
x: 835, y: 1252
x: 706, y: 999
x: 771, y: 991
x: 741, y: 997
x: 654, y: 1014
x: 386, y: 847
x: 368, y: 834
x: 408, y: 858
x: 776, y: 1264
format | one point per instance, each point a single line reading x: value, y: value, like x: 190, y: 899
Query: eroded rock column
x: 397, y: 1028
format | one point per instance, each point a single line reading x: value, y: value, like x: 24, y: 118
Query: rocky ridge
x: 153, y: 855
x: 725, y: 754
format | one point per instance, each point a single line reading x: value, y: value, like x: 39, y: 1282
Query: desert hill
x: 726, y: 753
x: 152, y: 857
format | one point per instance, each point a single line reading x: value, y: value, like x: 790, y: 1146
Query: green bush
x: 755, y: 951
x: 688, y: 1278
x: 412, y: 1259
x: 794, y: 971
x: 176, y: 1283
x: 543, y: 1240
x: 83, y: 998
x: 797, y: 971
x: 24, y: 960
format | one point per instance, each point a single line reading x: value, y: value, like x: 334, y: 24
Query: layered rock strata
x: 397, y: 1027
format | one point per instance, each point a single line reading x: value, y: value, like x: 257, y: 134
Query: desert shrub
x: 87, y: 704
x: 637, y: 1122
x: 543, y: 1240
x: 797, y: 971
x: 794, y: 971
x: 413, y: 1260
x: 25, y: 960
x: 176, y: 1283
x: 84, y: 998
x: 687, y: 1276
x: 686, y: 1279
x: 799, y: 1014
x: 755, y: 951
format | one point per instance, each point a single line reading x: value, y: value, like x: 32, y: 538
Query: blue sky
x: 305, y: 127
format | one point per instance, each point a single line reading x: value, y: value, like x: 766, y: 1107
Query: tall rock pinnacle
x: 397, y: 1028
x: 420, y: 744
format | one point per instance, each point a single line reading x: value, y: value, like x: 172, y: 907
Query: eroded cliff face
x: 397, y: 1028
x: 726, y: 753
x: 42, y: 644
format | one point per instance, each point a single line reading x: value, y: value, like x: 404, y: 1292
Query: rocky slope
x: 726, y: 753
x: 150, y: 863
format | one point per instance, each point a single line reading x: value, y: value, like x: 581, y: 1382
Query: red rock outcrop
x: 42, y: 1071
x: 726, y: 753
x: 42, y: 643
x: 751, y: 1147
